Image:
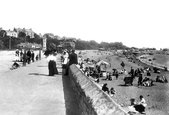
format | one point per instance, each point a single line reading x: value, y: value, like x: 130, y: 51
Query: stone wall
x: 92, y: 100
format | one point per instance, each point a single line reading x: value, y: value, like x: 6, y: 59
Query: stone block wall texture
x: 92, y: 100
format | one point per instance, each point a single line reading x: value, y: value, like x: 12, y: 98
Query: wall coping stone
x: 101, y: 102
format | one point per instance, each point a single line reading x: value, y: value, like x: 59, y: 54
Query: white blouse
x: 51, y: 57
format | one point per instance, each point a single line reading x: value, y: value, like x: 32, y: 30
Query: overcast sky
x: 138, y: 23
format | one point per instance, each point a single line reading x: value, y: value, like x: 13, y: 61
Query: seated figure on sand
x: 105, y: 88
x: 147, y: 82
x: 140, y: 107
x: 15, y: 65
x: 161, y: 79
x: 137, y: 107
x: 112, y: 92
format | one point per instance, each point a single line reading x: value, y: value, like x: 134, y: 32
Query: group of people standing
x: 68, y: 58
x: 29, y: 56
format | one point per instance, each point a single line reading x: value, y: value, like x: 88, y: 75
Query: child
x: 112, y: 92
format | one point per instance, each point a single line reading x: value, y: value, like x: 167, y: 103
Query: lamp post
x: 9, y: 42
x: 24, y: 55
x: 9, y: 34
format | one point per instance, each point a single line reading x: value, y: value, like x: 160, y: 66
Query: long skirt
x: 52, y: 68
x: 139, y: 108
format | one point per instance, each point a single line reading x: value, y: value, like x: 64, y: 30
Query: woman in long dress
x: 52, y: 64
x: 65, y: 56
x: 140, y: 107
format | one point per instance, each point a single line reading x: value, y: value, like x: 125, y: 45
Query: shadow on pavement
x: 37, y: 74
x: 71, y: 103
x: 42, y: 66
x: 123, y: 85
x: 60, y: 73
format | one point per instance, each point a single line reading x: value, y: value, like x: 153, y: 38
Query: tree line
x: 53, y: 41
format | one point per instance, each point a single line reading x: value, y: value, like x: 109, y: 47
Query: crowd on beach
x: 97, y: 72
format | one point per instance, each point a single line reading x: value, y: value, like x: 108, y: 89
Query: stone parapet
x: 92, y: 100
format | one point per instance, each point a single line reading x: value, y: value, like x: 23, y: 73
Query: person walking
x: 117, y: 74
x: 52, y: 64
x: 72, y: 60
x: 21, y: 56
x: 28, y: 56
x: 32, y: 56
x: 140, y: 79
x: 122, y: 65
x: 132, y: 72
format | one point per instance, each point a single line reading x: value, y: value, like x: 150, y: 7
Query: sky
x: 135, y: 23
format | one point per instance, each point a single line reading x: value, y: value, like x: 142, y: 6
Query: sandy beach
x: 157, y: 96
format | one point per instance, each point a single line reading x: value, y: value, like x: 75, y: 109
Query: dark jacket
x: 73, y: 59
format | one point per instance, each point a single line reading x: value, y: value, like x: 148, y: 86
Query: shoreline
x: 125, y: 93
x: 152, y: 64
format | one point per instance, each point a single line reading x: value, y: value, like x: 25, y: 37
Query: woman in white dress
x: 65, y: 56
x: 52, y: 64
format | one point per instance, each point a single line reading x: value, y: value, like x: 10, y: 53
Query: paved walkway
x: 30, y: 91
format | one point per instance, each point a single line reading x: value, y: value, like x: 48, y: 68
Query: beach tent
x: 102, y: 63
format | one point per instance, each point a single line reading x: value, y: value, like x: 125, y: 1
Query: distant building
x: 101, y: 49
x: 18, y: 30
x: 11, y: 33
x: 28, y: 32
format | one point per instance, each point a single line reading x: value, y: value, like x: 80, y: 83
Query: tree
x: 52, y: 46
x: 1, y: 44
x: 2, y: 33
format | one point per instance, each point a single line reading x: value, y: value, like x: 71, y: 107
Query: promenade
x: 30, y: 91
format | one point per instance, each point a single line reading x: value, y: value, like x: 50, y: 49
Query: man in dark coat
x: 140, y: 79
x: 28, y: 56
x: 72, y: 60
x: 132, y: 72
x: 105, y: 88
x: 122, y: 64
x: 32, y: 56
